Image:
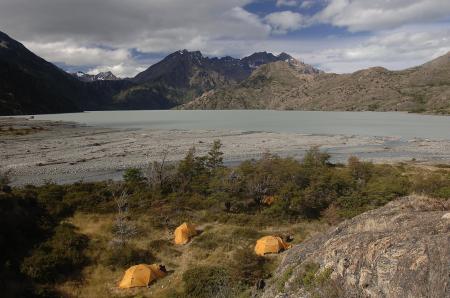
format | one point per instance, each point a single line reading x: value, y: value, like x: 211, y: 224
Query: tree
x: 192, y: 172
x: 186, y: 169
x: 314, y: 158
x: 360, y: 171
x: 160, y: 174
x: 123, y: 228
x: 215, y: 156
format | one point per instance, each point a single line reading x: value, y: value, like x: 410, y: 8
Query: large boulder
x: 399, y: 250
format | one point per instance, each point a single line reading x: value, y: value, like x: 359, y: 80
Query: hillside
x: 29, y: 84
x: 189, y: 80
x: 421, y: 89
x: 266, y: 88
x: 77, y: 240
x: 399, y: 250
x: 183, y: 76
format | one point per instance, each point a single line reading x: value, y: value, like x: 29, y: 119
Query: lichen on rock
x: 399, y: 250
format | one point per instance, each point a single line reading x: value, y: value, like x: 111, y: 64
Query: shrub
x: 52, y: 197
x: 245, y: 233
x: 318, y: 282
x: 5, y: 178
x: 58, y: 257
x: 434, y: 184
x: 133, y: 175
x: 127, y: 255
x: 281, y: 281
x: 315, y: 159
x: 164, y: 247
x: 207, y: 241
x: 443, y: 192
x: 207, y: 282
x: 247, y: 268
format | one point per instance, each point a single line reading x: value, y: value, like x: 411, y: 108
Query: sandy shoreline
x: 67, y: 152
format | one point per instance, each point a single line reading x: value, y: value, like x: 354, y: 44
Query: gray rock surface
x: 399, y: 250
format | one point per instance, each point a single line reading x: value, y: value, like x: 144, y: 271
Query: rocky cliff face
x: 399, y: 250
x: 101, y: 76
x: 418, y: 89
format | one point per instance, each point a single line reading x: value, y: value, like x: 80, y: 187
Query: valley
x: 190, y: 80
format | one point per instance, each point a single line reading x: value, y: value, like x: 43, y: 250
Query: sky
x: 127, y: 36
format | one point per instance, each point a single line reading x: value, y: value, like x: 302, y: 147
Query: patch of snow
x: 3, y: 44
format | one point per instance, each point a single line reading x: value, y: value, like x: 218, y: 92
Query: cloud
x: 67, y: 29
x: 284, y: 21
x: 122, y: 70
x: 74, y: 54
x: 398, y: 49
x: 372, y: 15
x: 307, y: 4
x: 119, y: 23
x: 118, y: 35
x: 280, y: 3
x: 119, y: 61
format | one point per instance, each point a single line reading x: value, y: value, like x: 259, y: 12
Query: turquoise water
x: 396, y: 124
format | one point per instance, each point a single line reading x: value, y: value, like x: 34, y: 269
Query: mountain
x: 29, y: 84
x: 183, y: 76
x: 102, y: 76
x: 267, y: 87
x: 297, y: 86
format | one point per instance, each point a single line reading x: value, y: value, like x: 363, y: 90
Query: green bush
x: 443, y: 192
x: 58, y: 257
x: 318, y: 282
x: 207, y: 282
x: 133, y: 176
x: 52, y: 197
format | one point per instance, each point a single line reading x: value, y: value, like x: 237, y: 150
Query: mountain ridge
x: 101, y: 76
x: 189, y: 80
x: 424, y: 88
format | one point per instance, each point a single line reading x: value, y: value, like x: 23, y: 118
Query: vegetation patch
x: 132, y: 221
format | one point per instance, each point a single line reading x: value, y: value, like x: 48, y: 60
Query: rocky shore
x: 37, y: 151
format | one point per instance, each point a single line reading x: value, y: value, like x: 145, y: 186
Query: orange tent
x: 184, y: 233
x: 269, y: 200
x: 270, y: 244
x: 141, y: 275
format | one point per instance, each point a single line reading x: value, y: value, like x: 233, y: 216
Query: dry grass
x: 22, y: 131
x: 214, y: 246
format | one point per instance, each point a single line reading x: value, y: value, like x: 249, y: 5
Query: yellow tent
x: 270, y: 244
x: 269, y: 200
x: 184, y: 232
x: 141, y: 275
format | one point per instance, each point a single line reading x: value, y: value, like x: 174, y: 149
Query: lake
x: 396, y: 124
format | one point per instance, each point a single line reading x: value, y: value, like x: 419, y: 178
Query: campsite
x: 214, y: 229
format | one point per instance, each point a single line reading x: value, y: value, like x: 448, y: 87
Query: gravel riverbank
x: 66, y: 152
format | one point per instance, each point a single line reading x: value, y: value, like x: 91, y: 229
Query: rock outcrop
x: 399, y: 250
x: 425, y: 88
